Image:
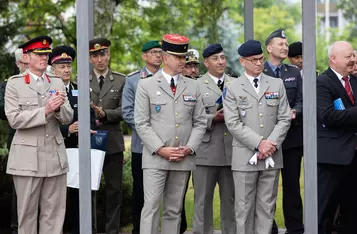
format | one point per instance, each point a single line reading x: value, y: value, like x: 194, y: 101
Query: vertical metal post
x: 82, y: 12
x: 248, y: 20
x: 310, y: 120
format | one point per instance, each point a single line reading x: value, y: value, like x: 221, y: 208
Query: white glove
x: 254, y: 159
x: 269, y: 162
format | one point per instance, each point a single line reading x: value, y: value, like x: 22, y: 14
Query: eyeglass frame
x: 261, y: 59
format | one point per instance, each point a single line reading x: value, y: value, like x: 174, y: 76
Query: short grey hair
x: 18, y: 54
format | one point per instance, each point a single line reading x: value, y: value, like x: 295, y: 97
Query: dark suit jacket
x: 71, y: 140
x: 293, y: 84
x: 336, y: 129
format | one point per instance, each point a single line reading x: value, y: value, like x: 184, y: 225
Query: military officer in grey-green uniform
x: 151, y: 54
x: 214, y: 156
x: 277, y: 47
x: 106, y: 88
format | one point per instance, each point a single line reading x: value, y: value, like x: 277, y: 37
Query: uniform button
x: 176, y: 114
x: 27, y: 102
x: 262, y: 126
x: 261, y: 115
x: 176, y: 102
x: 43, y: 96
x: 46, y: 135
x: 22, y: 141
x: 177, y: 125
x: 225, y: 134
x: 260, y: 103
x: 100, y: 100
x: 176, y: 138
x: 273, y: 103
x: 261, y: 137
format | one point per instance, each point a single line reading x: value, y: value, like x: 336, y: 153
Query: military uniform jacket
x: 250, y: 118
x: 110, y: 99
x: 291, y: 77
x: 38, y: 148
x: 71, y: 140
x: 131, y: 84
x: 216, y: 146
x: 162, y: 119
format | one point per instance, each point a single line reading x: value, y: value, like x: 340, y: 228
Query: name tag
x: 74, y: 92
x: 272, y: 95
x: 290, y: 79
x: 189, y: 98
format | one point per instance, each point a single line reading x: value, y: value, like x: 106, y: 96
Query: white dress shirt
x: 216, y: 79
x: 339, y: 76
x: 168, y: 77
x: 251, y: 80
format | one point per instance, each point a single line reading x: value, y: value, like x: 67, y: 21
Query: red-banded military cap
x: 61, y: 54
x: 98, y: 44
x: 39, y: 45
x: 175, y: 44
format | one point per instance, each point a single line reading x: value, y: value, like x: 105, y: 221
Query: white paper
x: 254, y: 159
x: 97, y: 160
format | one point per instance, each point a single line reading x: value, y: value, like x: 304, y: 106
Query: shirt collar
x: 273, y: 67
x: 251, y: 78
x: 35, y: 76
x: 168, y: 77
x: 216, y: 79
x: 339, y: 76
x: 98, y: 74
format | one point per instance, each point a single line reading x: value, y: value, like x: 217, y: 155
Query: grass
x: 189, y: 205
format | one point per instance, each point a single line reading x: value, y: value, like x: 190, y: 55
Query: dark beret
x: 61, y: 54
x: 277, y: 33
x: 212, y: 49
x: 295, y: 49
x: 250, y: 48
x: 150, y: 44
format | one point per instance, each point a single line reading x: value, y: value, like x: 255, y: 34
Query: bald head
x: 342, y: 57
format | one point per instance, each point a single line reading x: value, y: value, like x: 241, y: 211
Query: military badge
x: 27, y: 78
x: 157, y: 108
x: 290, y: 79
x: 243, y: 113
x: 44, y: 42
x: 206, y: 81
x: 272, y: 95
x: 189, y: 98
x: 243, y: 100
x: 97, y: 46
x: 52, y: 92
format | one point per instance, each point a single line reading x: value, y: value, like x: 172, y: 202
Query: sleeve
x: 128, y: 103
x: 65, y: 113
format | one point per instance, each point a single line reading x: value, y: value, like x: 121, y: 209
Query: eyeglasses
x: 191, y: 66
x: 255, y: 60
x: 155, y: 52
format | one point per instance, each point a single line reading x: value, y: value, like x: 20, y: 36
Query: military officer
x: 214, y: 156
x: 36, y: 105
x: 295, y: 56
x: 61, y: 59
x: 192, y: 66
x: 106, y: 97
x: 257, y: 114
x: 151, y: 54
x: 170, y: 120
x: 277, y: 47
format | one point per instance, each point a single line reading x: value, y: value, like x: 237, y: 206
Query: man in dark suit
x: 337, y: 140
x: 61, y: 59
x: 277, y: 47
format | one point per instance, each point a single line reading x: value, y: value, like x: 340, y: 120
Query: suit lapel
x: 107, y: 84
x: 181, y: 86
x: 164, y: 85
x: 268, y: 71
x: 248, y: 87
x: 264, y: 85
x: 211, y: 85
x: 33, y: 85
x: 94, y: 83
x: 338, y: 84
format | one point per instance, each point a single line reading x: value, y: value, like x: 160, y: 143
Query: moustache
x: 351, y: 63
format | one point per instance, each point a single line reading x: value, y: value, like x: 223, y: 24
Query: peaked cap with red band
x: 61, y: 54
x: 175, y: 44
x: 98, y: 44
x: 39, y: 45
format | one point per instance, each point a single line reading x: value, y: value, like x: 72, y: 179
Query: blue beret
x: 277, y: 33
x: 295, y: 49
x: 150, y: 44
x: 250, y: 48
x: 212, y: 49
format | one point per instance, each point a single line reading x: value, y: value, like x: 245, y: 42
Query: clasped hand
x: 174, y: 154
x: 266, y: 148
x: 55, y: 102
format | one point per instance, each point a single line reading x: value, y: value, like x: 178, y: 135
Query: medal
x: 157, y: 108
x: 243, y: 113
x: 158, y: 93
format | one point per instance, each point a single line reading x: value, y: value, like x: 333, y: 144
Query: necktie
x: 67, y: 89
x: 101, y: 82
x: 348, y: 89
x: 173, y: 86
x: 277, y: 72
x: 220, y: 84
x: 255, y: 82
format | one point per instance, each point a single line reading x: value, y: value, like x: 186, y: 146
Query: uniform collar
x: 168, y: 77
x: 273, y: 67
x: 216, y: 79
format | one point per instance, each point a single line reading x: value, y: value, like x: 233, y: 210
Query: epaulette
x: 133, y: 73
x: 118, y: 73
x: 16, y: 76
x: 291, y: 65
x: 52, y: 75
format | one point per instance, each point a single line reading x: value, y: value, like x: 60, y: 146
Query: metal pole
x: 309, y: 118
x: 82, y: 12
x: 248, y: 20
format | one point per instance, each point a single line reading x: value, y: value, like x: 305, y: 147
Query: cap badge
x: 44, y: 42
x: 97, y: 46
x: 64, y: 55
x: 283, y: 33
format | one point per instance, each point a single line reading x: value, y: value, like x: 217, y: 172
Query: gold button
x: 261, y: 137
x: 177, y: 125
x: 261, y: 115
x: 176, y: 114
x: 260, y: 103
x: 261, y: 125
x: 176, y: 102
x: 225, y: 134
x: 22, y: 141
x: 46, y: 135
x: 176, y: 138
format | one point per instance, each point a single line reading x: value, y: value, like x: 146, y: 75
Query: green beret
x: 151, y: 44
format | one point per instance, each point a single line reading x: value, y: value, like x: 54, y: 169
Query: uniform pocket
x: 61, y: 152
x: 28, y: 103
x: 23, y: 154
x: 157, y: 107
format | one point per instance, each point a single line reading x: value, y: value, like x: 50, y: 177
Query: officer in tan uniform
x: 106, y: 88
x: 36, y: 105
x: 257, y: 114
x: 170, y: 120
x: 214, y: 156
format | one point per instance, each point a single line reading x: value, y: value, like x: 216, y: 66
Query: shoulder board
x: 133, y: 73
x: 118, y: 73
x: 291, y: 65
x: 53, y: 76
x: 16, y: 76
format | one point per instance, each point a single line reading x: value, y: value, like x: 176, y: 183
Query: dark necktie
x: 173, y: 86
x: 255, y: 82
x: 220, y: 84
x: 348, y: 89
x: 67, y: 89
x: 277, y: 72
x: 101, y: 82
